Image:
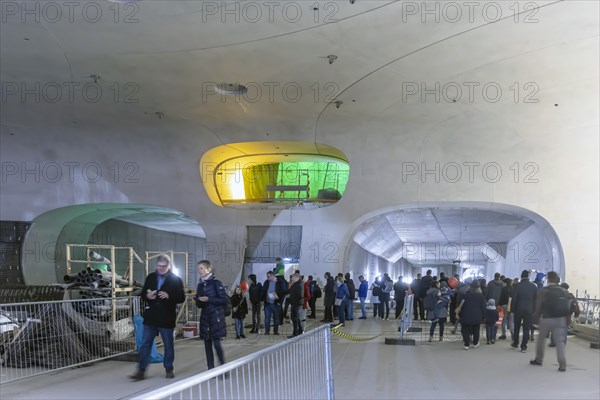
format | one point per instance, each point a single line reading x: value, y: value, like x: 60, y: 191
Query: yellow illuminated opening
x: 283, y: 174
x: 236, y: 185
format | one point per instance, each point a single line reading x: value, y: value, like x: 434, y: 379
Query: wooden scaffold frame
x: 111, y: 262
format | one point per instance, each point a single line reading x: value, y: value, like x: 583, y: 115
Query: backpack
x: 227, y: 306
x: 318, y: 292
x: 557, y: 303
x: 351, y: 290
x: 429, y: 302
x: 377, y: 290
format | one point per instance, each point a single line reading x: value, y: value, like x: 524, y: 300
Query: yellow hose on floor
x: 334, y: 329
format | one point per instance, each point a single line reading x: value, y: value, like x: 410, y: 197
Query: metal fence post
x: 329, y: 366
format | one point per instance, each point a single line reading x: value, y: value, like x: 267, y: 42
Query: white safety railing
x: 299, y: 368
x: 39, y: 337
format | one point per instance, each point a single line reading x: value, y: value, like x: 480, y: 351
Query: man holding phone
x: 162, y: 291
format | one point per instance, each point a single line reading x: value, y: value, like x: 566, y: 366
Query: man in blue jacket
x: 162, y: 291
x: 363, y: 291
x: 270, y: 298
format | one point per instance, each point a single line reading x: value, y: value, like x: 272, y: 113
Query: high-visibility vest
x: 500, y: 316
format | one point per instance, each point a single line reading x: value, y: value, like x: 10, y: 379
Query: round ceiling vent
x: 231, y: 89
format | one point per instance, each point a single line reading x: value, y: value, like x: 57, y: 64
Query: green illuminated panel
x: 283, y: 182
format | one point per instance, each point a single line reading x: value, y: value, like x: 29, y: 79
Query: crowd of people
x: 502, y: 305
x: 508, y: 305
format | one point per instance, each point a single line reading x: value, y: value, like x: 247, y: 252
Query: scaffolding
x: 113, y: 250
x: 126, y: 283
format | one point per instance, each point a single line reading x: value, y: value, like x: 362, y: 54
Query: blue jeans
x: 490, y: 332
x: 362, y: 306
x: 340, y: 311
x: 239, y: 326
x: 350, y: 308
x: 271, y: 310
x: 150, y: 332
x: 441, y: 322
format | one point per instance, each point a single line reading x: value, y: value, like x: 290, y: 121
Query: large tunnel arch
x: 44, y: 258
x: 377, y: 242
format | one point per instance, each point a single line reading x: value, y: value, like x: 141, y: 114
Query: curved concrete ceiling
x: 465, y: 234
x: 391, y: 234
x: 384, y: 232
x: 511, y: 101
x: 381, y: 53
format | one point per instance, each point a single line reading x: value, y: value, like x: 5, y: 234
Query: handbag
x: 338, y: 302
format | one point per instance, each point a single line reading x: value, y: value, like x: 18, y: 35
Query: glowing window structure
x: 274, y: 175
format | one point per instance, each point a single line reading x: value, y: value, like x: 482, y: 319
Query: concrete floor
x: 362, y: 370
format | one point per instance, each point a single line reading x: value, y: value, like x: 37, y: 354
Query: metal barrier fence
x: 299, y: 368
x: 590, y: 311
x: 40, y: 337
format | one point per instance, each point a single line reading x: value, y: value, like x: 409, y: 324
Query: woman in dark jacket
x: 439, y: 312
x: 471, y: 311
x: 376, y: 297
x: 211, y: 299
x: 239, y: 310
